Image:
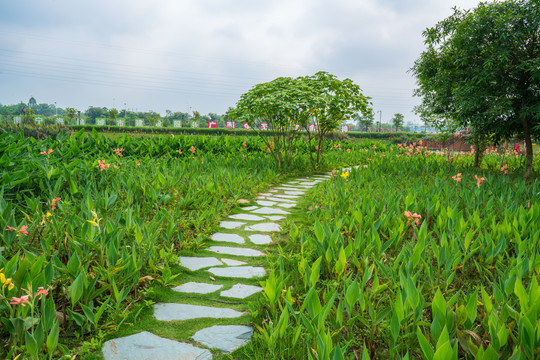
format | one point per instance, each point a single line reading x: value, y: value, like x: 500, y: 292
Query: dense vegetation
x: 414, y: 255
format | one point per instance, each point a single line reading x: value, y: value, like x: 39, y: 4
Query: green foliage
x: 397, y: 120
x: 481, y: 70
x: 288, y: 105
x: 400, y: 260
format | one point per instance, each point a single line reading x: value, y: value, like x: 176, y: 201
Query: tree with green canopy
x: 289, y: 105
x: 397, y: 120
x: 481, y: 70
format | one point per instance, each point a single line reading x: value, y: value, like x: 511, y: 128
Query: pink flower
x: 23, y: 231
x: 504, y: 169
x: 23, y: 300
x: 348, y: 150
x: 53, y: 203
x: 415, y: 217
x: 179, y: 151
x: 479, y: 180
x: 118, y: 152
x: 457, y: 177
x: 138, y: 164
x: 244, y: 143
x: 9, y: 228
x: 103, y: 165
x: 192, y: 149
x: 41, y: 291
x: 50, y: 151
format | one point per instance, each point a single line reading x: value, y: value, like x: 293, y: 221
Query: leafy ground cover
x: 414, y: 255
x: 91, y: 226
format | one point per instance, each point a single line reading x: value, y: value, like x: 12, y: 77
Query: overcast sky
x: 187, y: 55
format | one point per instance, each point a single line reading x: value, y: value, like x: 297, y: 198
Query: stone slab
x: 266, y: 203
x: 284, y: 196
x: 226, y: 338
x: 268, y: 227
x: 272, y: 190
x: 281, y: 200
x: 246, y: 217
x: 250, y: 208
x: 241, y: 291
x: 232, y: 262
x: 265, y: 194
x: 235, y: 251
x: 234, y: 238
x: 290, y: 187
x: 173, y: 311
x: 197, y: 288
x: 245, y: 272
x: 260, y: 239
x: 270, y: 211
x: 231, y: 224
x: 275, y: 217
x: 291, y: 192
x: 195, y: 263
x: 145, y: 345
x: 287, y: 205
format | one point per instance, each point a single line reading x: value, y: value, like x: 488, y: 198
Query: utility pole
x: 380, y: 118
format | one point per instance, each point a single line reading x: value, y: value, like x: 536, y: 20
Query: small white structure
x: 39, y: 120
x: 120, y: 122
x: 60, y: 121
x: 101, y: 122
x: 177, y: 123
x: 17, y: 120
x: 139, y: 123
x: 159, y: 123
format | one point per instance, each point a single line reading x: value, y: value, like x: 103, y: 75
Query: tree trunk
x: 478, y: 152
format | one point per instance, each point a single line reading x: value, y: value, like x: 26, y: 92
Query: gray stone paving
x: 226, y: 338
x: 249, y: 217
x: 235, y: 251
x: 173, y: 311
x: 260, y: 239
x: 197, y: 288
x: 264, y: 227
x: 196, y: 263
x: 241, y: 291
x: 231, y: 224
x: 146, y: 346
x: 234, y: 238
x: 245, y: 272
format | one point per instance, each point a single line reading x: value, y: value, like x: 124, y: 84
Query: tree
x: 288, y: 105
x: 397, y: 120
x: 112, y: 113
x: 71, y: 113
x: 32, y: 102
x: 365, y: 121
x: 481, y: 70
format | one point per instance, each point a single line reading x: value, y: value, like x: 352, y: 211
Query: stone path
x: 233, y: 256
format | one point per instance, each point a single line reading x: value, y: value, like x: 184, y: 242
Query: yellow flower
x: 48, y: 214
x: 95, y: 221
x: 345, y: 175
x: 6, y: 282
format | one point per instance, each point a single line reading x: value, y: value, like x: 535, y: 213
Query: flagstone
x: 246, y: 217
x: 275, y: 217
x: 280, y: 199
x: 250, y: 208
x: 263, y: 227
x: 287, y: 196
x: 266, y: 203
x: 290, y: 192
x: 173, y: 311
x: 260, y: 239
x: 245, y: 272
x: 232, y: 262
x: 226, y: 338
x: 235, y: 251
x: 270, y: 211
x: 241, y: 291
x: 287, y: 205
x: 231, y: 224
x: 145, y: 345
x: 198, y: 288
x: 224, y: 237
x: 195, y: 263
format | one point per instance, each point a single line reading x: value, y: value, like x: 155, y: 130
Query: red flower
x: 23, y: 300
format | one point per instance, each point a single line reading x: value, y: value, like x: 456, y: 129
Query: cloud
x: 175, y: 54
